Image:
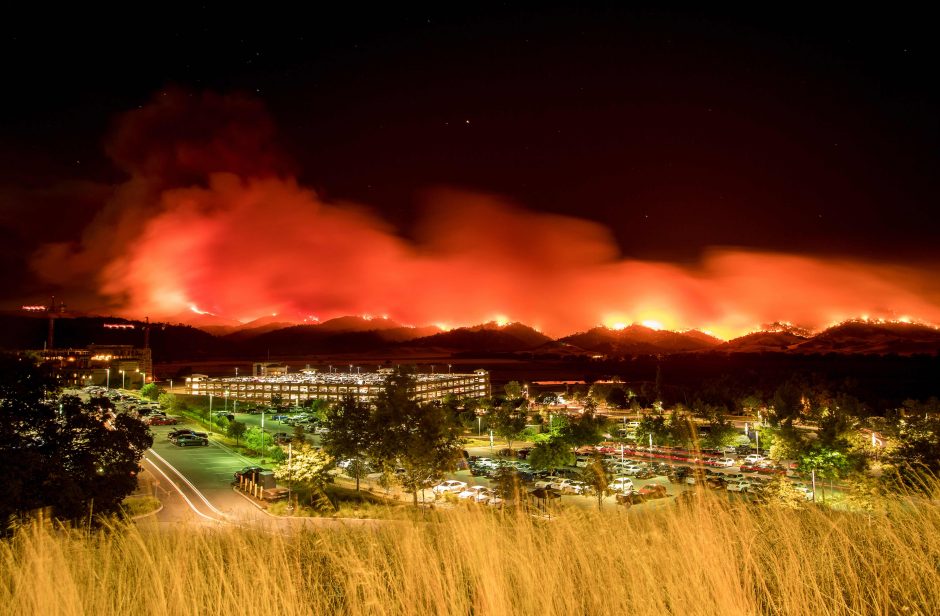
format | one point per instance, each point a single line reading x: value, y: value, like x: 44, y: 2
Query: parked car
x: 191, y: 440
x: 175, y: 434
x: 737, y: 486
x: 653, y: 491
x: 753, y: 459
x: 472, y: 492
x: 724, y: 462
x: 621, y: 484
x: 451, y: 485
x: 163, y: 421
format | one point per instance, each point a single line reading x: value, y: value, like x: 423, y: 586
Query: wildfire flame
x: 163, y: 245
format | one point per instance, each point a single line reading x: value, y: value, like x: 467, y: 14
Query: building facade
x: 294, y: 389
x: 117, y: 365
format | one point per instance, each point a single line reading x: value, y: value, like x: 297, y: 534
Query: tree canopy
x: 77, y: 457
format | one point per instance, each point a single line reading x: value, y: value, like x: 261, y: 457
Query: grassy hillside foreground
x: 708, y: 558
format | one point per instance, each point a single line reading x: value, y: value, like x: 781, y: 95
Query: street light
x: 122, y: 379
x: 290, y: 470
x: 479, y: 425
x: 448, y: 368
x: 226, y: 402
x: 236, y: 372
x: 210, y: 412
x: 108, y: 383
x: 262, y: 433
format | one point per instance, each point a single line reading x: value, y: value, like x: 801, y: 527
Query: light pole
x: 210, y: 413
x: 236, y: 372
x: 479, y: 425
x: 122, y: 379
x: 171, y: 385
x: 757, y: 440
x: 226, y: 402
x: 144, y: 379
x: 108, y: 382
x: 290, y: 470
x: 448, y: 368
x: 262, y: 434
x: 350, y: 368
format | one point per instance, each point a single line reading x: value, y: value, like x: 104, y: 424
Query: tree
x: 598, y: 477
x: 348, y: 431
x: 79, y: 458
x: 721, y: 433
x: 421, y: 440
x: 780, y: 492
x: 277, y: 400
x: 506, y: 483
x: 508, y: 422
x: 299, y: 437
x: 787, y: 405
x: 309, y: 466
x: 513, y: 390
x: 236, y: 430
x: 586, y: 429
x: 654, y: 425
x: 170, y: 402
x: 150, y: 391
x: 914, y: 459
x: 617, y: 398
x: 550, y: 454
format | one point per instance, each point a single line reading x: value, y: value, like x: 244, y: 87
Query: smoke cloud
x: 212, y: 220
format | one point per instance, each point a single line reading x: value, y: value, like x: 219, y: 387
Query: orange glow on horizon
x: 162, y: 246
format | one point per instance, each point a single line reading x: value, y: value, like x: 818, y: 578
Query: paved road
x: 207, y: 475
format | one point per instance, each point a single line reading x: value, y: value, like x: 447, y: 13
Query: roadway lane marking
x: 198, y: 493
x: 177, y: 488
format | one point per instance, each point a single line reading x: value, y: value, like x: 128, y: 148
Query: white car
x: 621, y: 484
x: 582, y: 462
x: 806, y: 491
x: 570, y: 485
x: 725, y: 462
x: 739, y: 486
x: 472, y: 493
x: 451, y: 485
x: 753, y: 459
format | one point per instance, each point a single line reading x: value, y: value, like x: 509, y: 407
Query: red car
x: 163, y: 421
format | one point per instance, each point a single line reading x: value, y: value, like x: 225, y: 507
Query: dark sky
x: 797, y: 131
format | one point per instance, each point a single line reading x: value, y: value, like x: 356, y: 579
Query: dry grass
x: 708, y: 558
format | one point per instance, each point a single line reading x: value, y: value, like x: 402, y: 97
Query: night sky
x: 673, y: 136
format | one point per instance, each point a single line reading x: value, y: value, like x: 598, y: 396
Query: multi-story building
x: 296, y: 388
x: 117, y: 365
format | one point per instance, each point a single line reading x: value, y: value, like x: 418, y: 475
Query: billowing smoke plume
x: 211, y: 220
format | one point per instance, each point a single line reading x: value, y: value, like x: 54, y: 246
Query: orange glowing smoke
x: 197, y: 228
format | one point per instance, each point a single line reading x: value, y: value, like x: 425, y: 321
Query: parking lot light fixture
x: 108, y: 382
x: 122, y: 379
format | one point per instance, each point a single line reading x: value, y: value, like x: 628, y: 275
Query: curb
x: 145, y: 515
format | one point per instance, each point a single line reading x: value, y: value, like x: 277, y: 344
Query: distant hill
x: 866, y: 338
x: 640, y: 340
x: 488, y: 337
x: 269, y: 336
x: 357, y: 324
x: 762, y: 342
